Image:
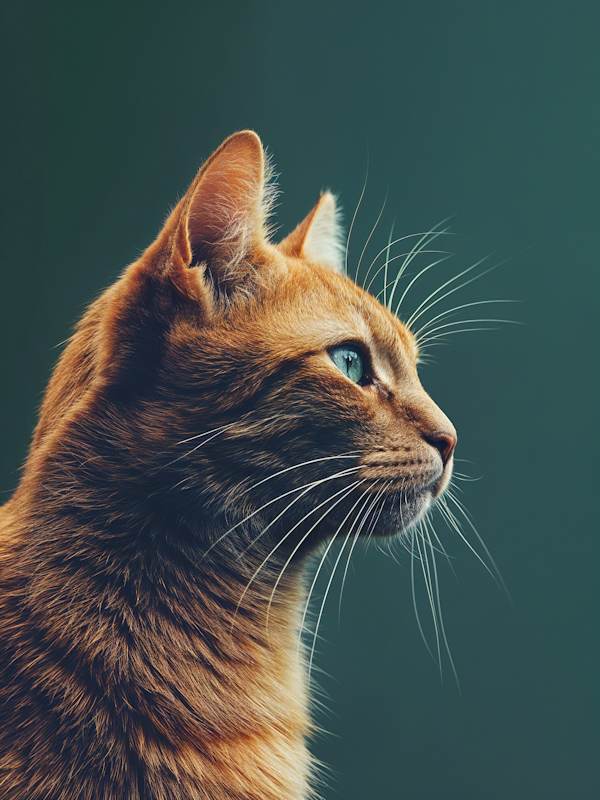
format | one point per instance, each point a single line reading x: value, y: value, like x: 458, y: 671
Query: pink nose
x: 444, y: 442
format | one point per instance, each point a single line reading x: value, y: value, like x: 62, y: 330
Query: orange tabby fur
x: 144, y: 652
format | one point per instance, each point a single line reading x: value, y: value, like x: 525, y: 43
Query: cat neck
x: 196, y: 662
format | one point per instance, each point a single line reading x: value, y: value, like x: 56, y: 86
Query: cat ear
x: 319, y: 237
x: 221, y: 218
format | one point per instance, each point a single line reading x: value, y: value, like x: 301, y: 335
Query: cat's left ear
x: 320, y: 236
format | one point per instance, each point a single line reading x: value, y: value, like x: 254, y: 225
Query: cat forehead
x: 318, y: 309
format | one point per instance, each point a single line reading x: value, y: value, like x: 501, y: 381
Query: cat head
x: 226, y: 377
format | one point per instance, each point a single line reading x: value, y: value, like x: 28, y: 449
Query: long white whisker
x: 345, y: 491
x: 275, y: 519
x: 404, y: 255
x: 423, y: 241
x: 433, y: 335
x: 470, y: 321
x: 465, y: 514
x: 429, y: 586
x: 387, y: 261
x: 441, y: 618
x: 453, y: 522
x: 353, y: 545
x: 423, y: 234
x: 440, y: 338
x: 316, y: 632
x: 416, y: 278
x: 354, y: 220
x: 455, y: 309
x: 368, y: 240
x: 349, y: 454
x: 418, y: 535
x: 215, y: 432
x: 424, y: 307
x: 442, y: 549
x: 428, y: 525
x: 316, y: 576
x: 310, y: 485
x: 207, y: 433
x: 307, y: 534
x: 413, y: 558
x: 460, y: 476
x: 376, y: 513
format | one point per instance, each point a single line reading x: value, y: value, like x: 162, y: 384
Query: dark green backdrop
x: 487, y: 111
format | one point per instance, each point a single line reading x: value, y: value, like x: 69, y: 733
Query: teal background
x: 488, y: 111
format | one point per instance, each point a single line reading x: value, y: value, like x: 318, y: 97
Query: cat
x: 220, y: 412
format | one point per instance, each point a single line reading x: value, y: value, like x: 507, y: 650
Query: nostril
x: 444, y: 442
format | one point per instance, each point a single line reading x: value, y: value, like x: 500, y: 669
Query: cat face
x: 255, y: 381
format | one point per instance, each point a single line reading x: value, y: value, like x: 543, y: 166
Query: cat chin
x: 401, y: 514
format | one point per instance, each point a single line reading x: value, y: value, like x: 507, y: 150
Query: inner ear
x: 320, y: 236
x: 226, y: 214
x: 219, y: 225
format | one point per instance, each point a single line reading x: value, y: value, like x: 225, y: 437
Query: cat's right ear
x: 319, y: 237
x: 221, y: 218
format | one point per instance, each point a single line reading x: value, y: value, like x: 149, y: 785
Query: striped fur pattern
x: 195, y: 445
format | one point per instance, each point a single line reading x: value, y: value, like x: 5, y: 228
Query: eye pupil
x: 349, y: 361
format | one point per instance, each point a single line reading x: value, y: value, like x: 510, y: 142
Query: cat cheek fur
x: 195, y: 443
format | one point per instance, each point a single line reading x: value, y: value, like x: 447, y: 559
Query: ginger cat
x: 223, y: 408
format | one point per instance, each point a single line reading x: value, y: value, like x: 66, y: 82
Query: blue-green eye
x: 349, y: 361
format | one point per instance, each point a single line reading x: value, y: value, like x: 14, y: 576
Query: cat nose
x: 444, y: 442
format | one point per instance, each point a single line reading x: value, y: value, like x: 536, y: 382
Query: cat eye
x: 349, y: 361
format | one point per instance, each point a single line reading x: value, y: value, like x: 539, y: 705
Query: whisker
x: 413, y: 558
x: 465, y: 514
x: 430, y: 529
x: 351, y: 228
x: 353, y: 545
x: 375, y: 519
x: 416, y: 278
x: 275, y: 519
x: 429, y: 589
x: 387, y: 261
x: 441, y: 618
x: 368, y: 240
x: 403, y: 255
x: 440, y: 338
x: 310, y: 485
x: 347, y: 490
x: 430, y: 337
x: 453, y: 523
x: 349, y: 454
x: 458, y: 308
x: 306, y: 535
x: 405, y: 536
x: 316, y: 632
x: 423, y: 241
x: 316, y: 576
x: 215, y: 432
x: 423, y: 308
x: 442, y: 549
x: 303, y: 539
x: 459, y: 476
x: 401, y: 239
x: 472, y: 321
x: 207, y: 433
